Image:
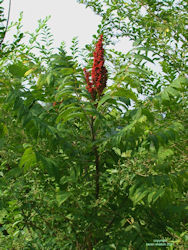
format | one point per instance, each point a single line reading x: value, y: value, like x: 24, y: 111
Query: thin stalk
x: 95, y: 151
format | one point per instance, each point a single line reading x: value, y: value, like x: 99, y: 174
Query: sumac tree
x: 96, y: 162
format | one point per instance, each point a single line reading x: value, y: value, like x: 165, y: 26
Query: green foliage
x: 2, y: 19
x: 105, y: 174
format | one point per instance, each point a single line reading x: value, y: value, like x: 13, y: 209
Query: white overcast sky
x: 68, y: 19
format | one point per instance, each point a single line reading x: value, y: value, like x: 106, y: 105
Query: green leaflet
x: 50, y: 78
x: 67, y: 71
x: 29, y: 72
x: 67, y: 81
x: 148, y: 114
x: 174, y: 89
x: 28, y: 159
x: 179, y: 82
x: 3, y: 129
x: 70, y: 113
x: 66, y: 92
x: 74, y: 174
x: 159, y: 193
x: 104, y: 99
x: 137, y: 71
x: 41, y: 81
x: 142, y: 57
x: 150, y: 196
x: 164, y: 153
x: 18, y: 69
x: 144, y: 48
x: 139, y: 195
x: 165, y: 96
x: 122, y: 92
x: 48, y: 164
x: 63, y: 114
x: 73, y: 115
x: 133, y: 189
x: 61, y: 197
x: 65, y: 84
x: 65, y: 107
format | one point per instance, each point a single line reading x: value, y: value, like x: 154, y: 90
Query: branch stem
x: 95, y: 151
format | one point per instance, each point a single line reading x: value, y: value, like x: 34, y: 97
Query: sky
x: 68, y: 19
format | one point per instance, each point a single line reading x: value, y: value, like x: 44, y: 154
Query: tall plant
x: 86, y: 164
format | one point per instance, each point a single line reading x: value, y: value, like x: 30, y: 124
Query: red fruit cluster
x: 90, y: 87
x: 99, y: 72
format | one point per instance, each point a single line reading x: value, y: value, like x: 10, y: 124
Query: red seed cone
x: 99, y: 72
